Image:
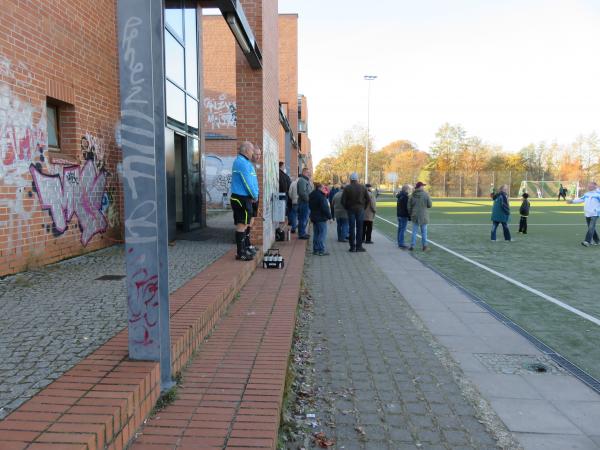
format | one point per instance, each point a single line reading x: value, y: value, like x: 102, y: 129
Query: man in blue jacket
x: 244, y: 192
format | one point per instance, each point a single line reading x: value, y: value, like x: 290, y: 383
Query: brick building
x: 60, y: 163
x: 220, y: 103
x: 59, y: 105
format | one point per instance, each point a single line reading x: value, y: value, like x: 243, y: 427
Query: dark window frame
x: 50, y: 104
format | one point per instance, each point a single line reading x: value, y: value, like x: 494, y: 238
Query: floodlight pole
x: 368, y: 78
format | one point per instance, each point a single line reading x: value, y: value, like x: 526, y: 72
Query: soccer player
x: 524, y: 212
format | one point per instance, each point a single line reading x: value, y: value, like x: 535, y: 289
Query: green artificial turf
x: 549, y: 258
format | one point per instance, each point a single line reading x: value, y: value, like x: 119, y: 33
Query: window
x: 181, y: 65
x: 53, y: 131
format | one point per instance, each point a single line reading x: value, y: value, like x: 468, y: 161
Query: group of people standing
x: 413, y: 206
x: 352, y: 206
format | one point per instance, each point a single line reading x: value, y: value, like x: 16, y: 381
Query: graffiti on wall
x: 270, y: 186
x: 220, y: 112
x: 92, y: 149
x: 22, y: 142
x: 78, y: 192
x: 218, y: 177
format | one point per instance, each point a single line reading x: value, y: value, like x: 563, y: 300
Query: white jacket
x: 591, y: 203
x: 293, y: 192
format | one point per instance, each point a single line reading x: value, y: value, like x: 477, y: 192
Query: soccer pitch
x: 549, y: 259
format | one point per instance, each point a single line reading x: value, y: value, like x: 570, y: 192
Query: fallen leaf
x: 360, y: 430
x: 322, y: 441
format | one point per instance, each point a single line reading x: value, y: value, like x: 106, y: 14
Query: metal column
x: 141, y: 70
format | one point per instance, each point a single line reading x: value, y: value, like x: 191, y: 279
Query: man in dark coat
x: 402, y: 213
x: 319, y: 215
x: 355, y: 199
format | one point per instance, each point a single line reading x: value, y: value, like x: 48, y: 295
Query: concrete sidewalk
x: 551, y: 410
x: 379, y: 382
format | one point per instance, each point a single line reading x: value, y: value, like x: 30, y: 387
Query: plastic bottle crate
x: 273, y: 259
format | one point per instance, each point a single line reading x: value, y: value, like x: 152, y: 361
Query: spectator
x: 284, y: 186
x: 355, y: 199
x: 524, y: 213
x: 591, y: 209
x: 304, y: 189
x: 319, y: 215
x: 334, y: 190
x: 402, y: 213
x: 501, y: 213
x: 370, y: 212
x: 418, y: 208
x: 244, y: 191
x: 293, y: 196
x: 340, y: 215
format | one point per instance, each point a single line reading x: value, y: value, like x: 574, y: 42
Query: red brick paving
x: 103, y: 400
x: 232, y: 390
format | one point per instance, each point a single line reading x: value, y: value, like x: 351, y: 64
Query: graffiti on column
x: 78, y: 193
x: 218, y: 177
x: 270, y: 185
x: 221, y: 112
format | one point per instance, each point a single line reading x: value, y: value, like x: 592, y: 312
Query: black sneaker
x: 323, y: 253
x: 252, y: 250
x: 244, y: 257
x: 352, y: 249
x: 360, y: 249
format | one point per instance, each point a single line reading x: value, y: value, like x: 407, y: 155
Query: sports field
x: 548, y: 264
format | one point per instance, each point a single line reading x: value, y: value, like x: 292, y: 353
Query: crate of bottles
x: 273, y: 259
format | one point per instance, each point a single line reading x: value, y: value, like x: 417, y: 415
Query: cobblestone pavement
x: 51, y: 318
x: 378, y: 382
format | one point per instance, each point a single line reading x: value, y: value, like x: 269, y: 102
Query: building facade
x: 61, y: 166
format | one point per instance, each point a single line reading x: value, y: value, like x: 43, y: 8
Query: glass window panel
x: 196, y: 155
x: 174, y: 16
x: 52, y: 121
x: 192, y: 115
x: 175, y: 103
x: 174, y: 62
x: 191, y: 52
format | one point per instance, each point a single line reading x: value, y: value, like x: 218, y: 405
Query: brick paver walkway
x: 381, y: 385
x: 53, y: 317
x: 232, y: 390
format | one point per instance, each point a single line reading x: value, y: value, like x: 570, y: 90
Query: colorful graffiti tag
x: 270, y: 186
x: 78, y: 193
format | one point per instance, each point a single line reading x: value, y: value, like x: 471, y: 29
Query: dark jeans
x: 591, y: 232
x: 504, y: 229
x: 319, y: 236
x: 303, y: 213
x: 293, y: 217
x: 342, y: 228
x: 367, y: 230
x: 355, y: 222
x: 402, y: 225
x: 523, y: 225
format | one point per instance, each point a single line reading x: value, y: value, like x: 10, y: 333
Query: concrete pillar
x: 258, y: 108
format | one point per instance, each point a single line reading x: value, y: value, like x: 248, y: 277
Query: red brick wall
x: 258, y: 101
x: 288, y: 77
x: 218, y: 59
x: 67, y: 51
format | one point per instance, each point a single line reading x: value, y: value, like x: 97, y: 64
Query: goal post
x: 548, y: 189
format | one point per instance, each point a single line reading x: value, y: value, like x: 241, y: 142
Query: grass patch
x: 549, y: 258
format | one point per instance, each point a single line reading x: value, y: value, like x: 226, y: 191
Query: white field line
x: 530, y: 225
x: 512, y: 281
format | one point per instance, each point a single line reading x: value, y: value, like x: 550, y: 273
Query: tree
x: 450, y: 139
x: 325, y: 171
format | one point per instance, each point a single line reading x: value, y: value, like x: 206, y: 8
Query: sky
x: 509, y: 71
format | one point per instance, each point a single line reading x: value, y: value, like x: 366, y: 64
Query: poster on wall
x: 270, y: 186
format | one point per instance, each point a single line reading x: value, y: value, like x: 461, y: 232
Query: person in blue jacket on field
x: 244, y: 192
x: 501, y: 213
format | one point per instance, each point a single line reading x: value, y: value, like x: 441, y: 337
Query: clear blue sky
x: 511, y: 72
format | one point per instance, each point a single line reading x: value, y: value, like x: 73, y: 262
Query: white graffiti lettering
x: 65, y: 199
x: 221, y: 112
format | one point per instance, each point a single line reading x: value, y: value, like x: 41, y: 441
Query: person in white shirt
x: 591, y: 209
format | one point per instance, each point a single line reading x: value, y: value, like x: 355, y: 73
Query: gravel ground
x: 52, y: 317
